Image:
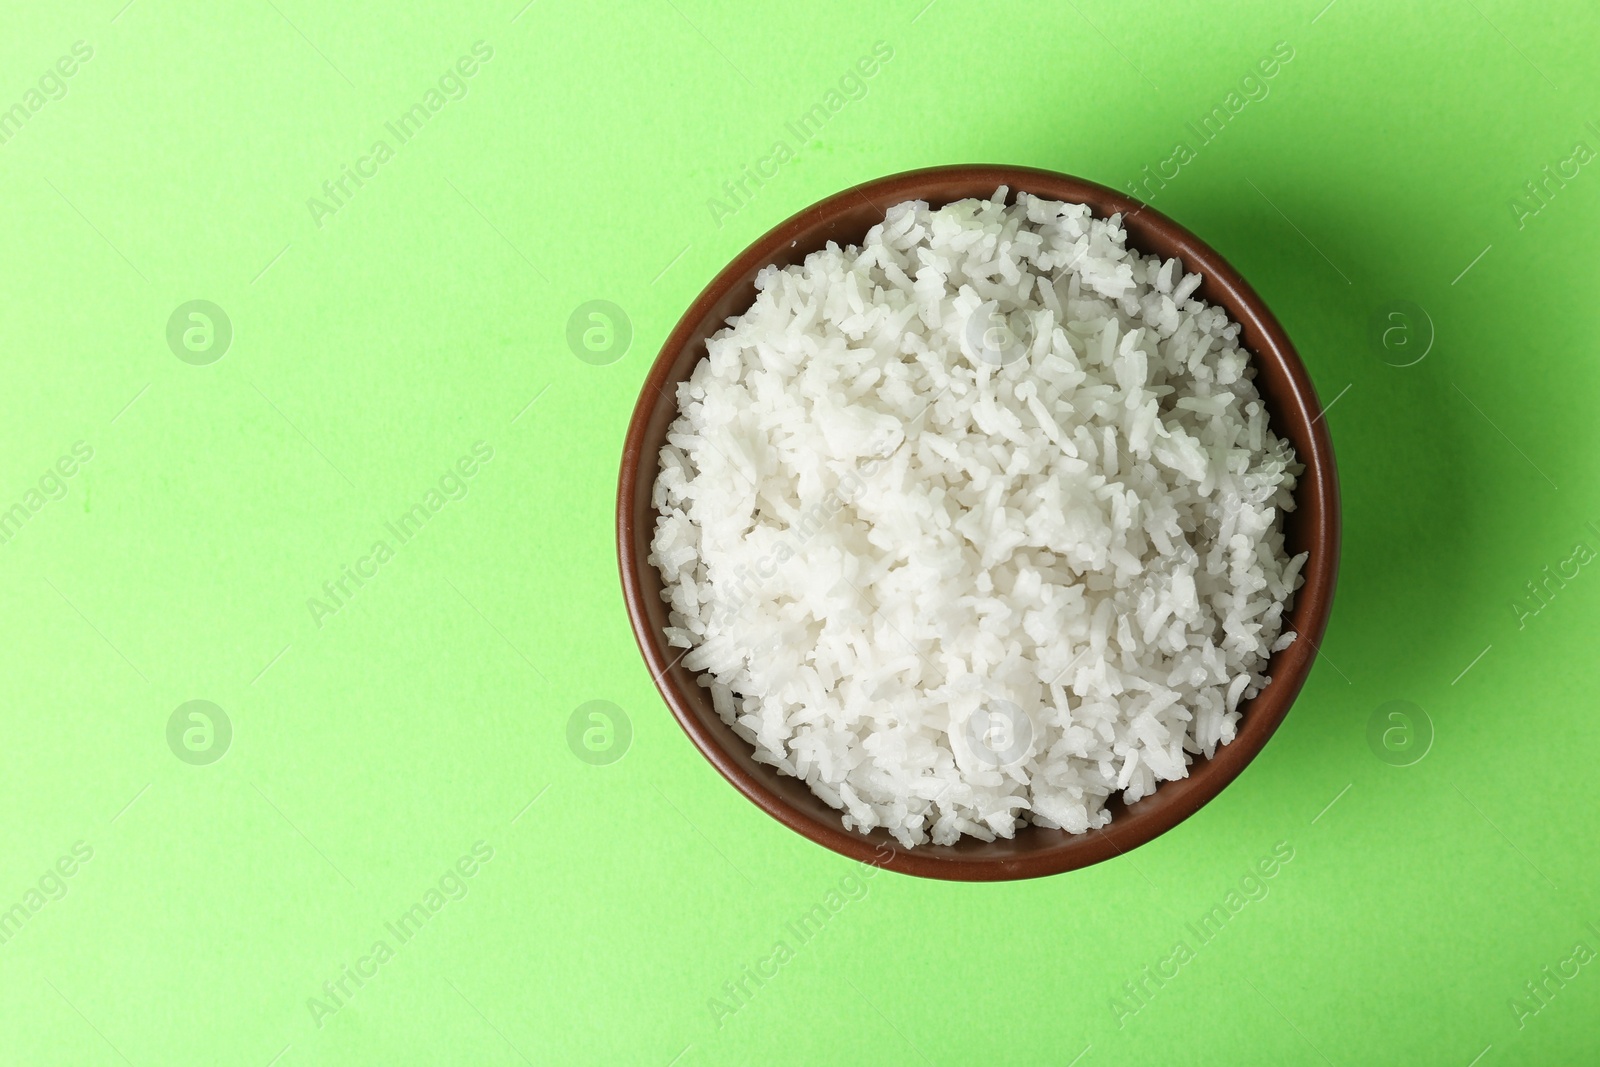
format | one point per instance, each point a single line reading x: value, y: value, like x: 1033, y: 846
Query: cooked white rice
x: 978, y: 524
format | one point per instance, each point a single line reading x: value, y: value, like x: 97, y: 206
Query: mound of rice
x: 978, y: 524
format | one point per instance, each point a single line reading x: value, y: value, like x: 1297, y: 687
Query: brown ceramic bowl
x: 1313, y: 527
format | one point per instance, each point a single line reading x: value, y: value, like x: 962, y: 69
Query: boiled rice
x: 978, y: 524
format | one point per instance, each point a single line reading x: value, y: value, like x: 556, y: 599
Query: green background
x: 373, y: 747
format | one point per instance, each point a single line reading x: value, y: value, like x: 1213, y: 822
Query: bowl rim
x: 1316, y: 495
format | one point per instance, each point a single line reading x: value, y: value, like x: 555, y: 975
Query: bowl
x: 1312, y: 527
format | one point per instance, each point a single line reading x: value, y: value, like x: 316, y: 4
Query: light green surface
x: 375, y: 746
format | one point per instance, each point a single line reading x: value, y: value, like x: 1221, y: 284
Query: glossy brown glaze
x: 1313, y: 527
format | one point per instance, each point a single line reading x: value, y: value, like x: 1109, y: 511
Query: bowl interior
x: 1313, y: 527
